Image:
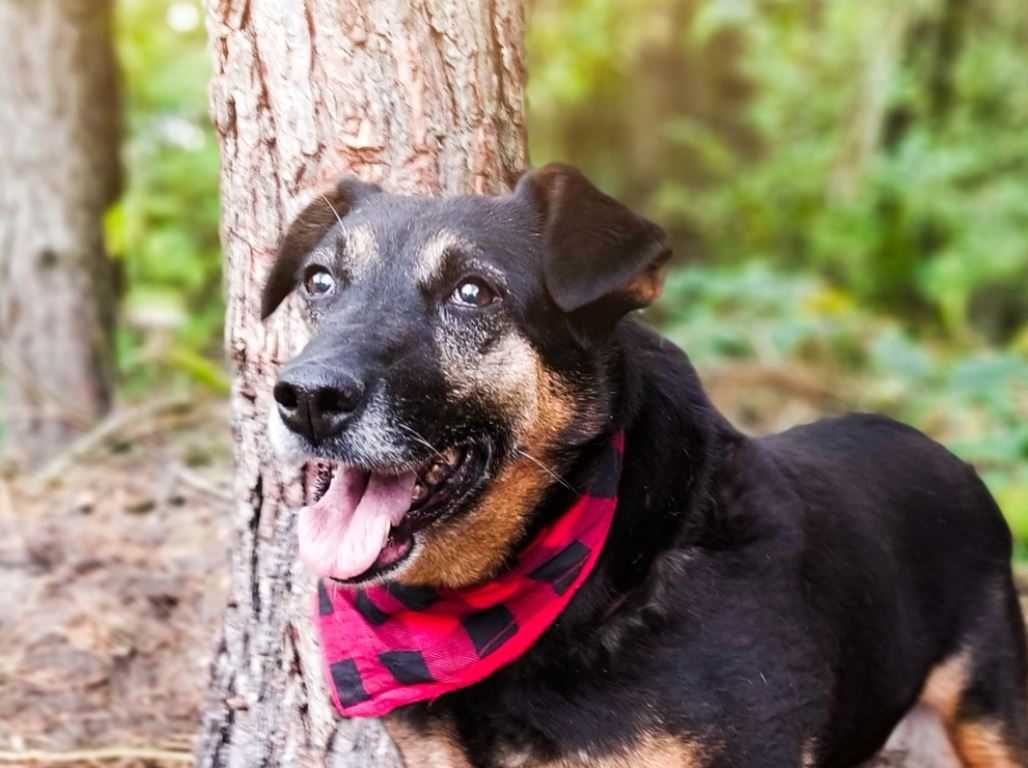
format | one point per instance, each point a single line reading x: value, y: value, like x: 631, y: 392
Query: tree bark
x: 421, y: 96
x: 59, y: 123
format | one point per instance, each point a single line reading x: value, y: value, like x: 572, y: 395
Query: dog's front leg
x: 436, y: 745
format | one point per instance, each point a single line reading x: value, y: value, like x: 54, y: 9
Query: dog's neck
x: 674, y: 440
x: 675, y: 437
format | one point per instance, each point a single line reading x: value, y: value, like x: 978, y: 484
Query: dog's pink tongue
x: 345, y: 531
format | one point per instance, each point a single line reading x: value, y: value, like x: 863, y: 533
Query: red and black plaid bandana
x: 389, y: 646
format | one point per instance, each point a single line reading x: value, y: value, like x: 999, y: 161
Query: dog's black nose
x: 316, y: 402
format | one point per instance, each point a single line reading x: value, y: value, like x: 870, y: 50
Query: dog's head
x: 458, y: 359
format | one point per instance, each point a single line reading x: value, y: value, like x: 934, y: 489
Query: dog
x: 755, y: 602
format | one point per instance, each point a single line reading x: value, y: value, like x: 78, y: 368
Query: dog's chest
x: 648, y: 753
x: 438, y: 746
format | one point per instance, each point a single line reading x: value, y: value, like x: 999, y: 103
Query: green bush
x: 975, y: 401
x: 164, y: 229
x: 928, y: 223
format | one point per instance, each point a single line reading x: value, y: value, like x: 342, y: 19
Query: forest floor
x: 114, y: 572
x: 114, y: 569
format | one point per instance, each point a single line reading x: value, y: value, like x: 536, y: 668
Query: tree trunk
x: 421, y: 96
x: 886, y: 33
x: 59, y: 125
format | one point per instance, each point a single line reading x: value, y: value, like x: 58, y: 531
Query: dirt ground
x: 113, y: 571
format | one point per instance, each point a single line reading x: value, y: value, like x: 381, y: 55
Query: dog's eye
x: 473, y: 292
x: 318, y: 281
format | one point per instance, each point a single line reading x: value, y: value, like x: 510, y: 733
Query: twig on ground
x: 105, y: 754
x: 200, y: 483
x: 104, y: 431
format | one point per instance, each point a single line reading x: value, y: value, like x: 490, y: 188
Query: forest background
x: 845, y: 185
x: 847, y: 190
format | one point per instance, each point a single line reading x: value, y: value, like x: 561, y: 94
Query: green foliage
x: 164, y: 230
x: 927, y: 223
x: 976, y: 402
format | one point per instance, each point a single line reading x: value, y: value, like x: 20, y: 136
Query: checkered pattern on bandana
x: 389, y: 646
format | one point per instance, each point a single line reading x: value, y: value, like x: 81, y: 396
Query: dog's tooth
x: 419, y: 493
x: 435, y: 473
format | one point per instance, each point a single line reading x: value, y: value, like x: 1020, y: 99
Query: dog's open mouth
x: 362, y: 523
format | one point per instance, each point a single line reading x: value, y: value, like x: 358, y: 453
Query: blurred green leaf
x: 164, y: 229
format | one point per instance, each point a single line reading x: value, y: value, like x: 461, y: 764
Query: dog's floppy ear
x: 600, y: 258
x: 304, y: 234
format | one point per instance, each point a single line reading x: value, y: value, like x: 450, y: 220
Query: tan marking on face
x: 436, y: 746
x: 360, y: 249
x: 506, y: 376
x: 471, y: 549
x: 982, y: 744
x: 431, y: 256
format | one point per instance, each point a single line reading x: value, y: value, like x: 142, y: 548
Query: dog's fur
x: 770, y: 602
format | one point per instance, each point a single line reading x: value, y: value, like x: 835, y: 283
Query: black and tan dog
x: 770, y: 602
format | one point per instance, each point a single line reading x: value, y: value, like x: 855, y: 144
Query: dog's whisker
x: 546, y: 469
x: 421, y: 439
x: 333, y: 209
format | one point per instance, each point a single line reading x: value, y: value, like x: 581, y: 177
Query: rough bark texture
x: 422, y: 95
x: 59, y: 132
